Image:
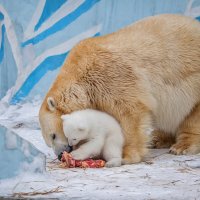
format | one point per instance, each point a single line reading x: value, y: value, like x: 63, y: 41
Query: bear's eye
x: 74, y: 139
x: 53, y: 136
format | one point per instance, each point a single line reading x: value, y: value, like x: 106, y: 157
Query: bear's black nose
x: 60, y: 156
x: 68, y: 150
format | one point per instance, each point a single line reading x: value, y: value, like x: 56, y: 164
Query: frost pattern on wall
x: 37, y: 35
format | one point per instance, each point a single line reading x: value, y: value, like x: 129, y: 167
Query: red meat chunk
x: 69, y: 162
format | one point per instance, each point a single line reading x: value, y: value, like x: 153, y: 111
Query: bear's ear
x: 51, y: 104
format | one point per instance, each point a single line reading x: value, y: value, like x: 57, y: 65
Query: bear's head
x: 51, y: 125
x: 68, y: 93
x: 54, y: 106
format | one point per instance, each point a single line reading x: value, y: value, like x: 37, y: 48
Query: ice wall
x: 18, y: 155
x: 36, y: 35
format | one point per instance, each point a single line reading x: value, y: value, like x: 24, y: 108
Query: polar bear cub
x: 98, y: 133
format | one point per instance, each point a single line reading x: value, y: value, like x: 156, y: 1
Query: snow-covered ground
x: 161, y: 176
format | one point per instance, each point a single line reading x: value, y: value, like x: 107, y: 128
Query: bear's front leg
x: 134, y: 127
x: 90, y: 149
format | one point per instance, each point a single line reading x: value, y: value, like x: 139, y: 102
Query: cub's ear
x: 51, y: 104
x: 64, y: 117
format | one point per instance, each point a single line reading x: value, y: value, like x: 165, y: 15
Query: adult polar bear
x: 145, y: 75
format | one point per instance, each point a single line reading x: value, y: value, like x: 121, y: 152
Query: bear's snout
x: 68, y: 150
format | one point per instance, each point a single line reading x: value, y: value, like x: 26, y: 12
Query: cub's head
x: 75, y: 128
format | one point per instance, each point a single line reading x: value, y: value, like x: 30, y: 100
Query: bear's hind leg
x: 188, y: 135
x: 161, y: 140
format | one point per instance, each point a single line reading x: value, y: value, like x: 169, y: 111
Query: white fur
x: 102, y: 133
x: 174, y: 104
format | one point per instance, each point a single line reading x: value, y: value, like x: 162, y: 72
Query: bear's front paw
x: 77, y: 155
x: 131, y: 159
x: 132, y: 155
x: 114, y: 163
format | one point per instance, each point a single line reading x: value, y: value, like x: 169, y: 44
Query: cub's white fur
x: 101, y: 132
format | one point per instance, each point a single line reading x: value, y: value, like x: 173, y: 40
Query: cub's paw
x: 77, y: 155
x: 113, y: 163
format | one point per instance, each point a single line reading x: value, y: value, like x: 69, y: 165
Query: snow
x: 11, y: 140
x: 161, y: 176
x: 34, y: 166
